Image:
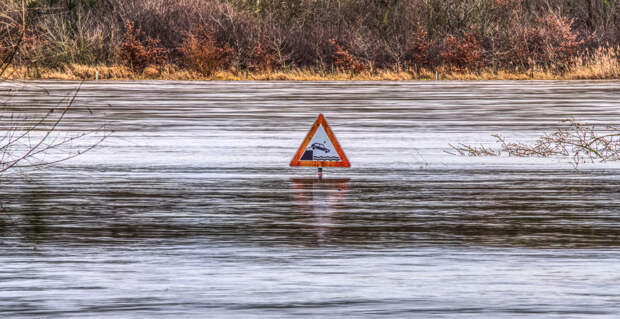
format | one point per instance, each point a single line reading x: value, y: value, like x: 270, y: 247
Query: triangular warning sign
x: 320, y: 148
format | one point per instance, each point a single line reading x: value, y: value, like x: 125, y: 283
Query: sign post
x: 320, y: 148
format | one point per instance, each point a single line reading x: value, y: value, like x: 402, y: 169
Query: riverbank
x: 309, y: 40
x: 601, y: 68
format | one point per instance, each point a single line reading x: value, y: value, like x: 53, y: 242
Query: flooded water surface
x: 189, y: 207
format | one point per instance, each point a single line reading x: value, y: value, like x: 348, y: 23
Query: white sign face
x: 320, y: 148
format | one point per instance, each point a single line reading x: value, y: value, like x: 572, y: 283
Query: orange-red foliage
x: 138, y: 54
x: 418, y: 49
x: 463, y: 53
x: 263, y: 59
x: 202, y: 53
x: 343, y: 60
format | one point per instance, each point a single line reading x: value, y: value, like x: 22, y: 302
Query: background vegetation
x: 155, y: 38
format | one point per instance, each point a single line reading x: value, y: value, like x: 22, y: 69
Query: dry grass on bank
x: 602, y: 64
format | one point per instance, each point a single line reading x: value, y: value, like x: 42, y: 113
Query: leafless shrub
x: 35, y: 142
x: 580, y: 142
x: 14, y: 23
x: 54, y: 33
x: 79, y: 36
x: 469, y: 150
x: 549, y: 42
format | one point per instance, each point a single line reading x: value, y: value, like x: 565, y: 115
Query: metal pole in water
x: 96, y: 75
x: 436, y: 75
x: 320, y: 171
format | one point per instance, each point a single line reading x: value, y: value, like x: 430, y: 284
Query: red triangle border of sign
x: 344, y: 162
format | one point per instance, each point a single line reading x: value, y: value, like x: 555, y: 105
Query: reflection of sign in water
x: 320, y: 148
x: 320, y: 199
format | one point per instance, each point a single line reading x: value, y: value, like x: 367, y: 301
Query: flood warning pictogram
x: 320, y: 148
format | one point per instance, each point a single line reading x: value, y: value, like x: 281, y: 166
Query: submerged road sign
x: 320, y: 148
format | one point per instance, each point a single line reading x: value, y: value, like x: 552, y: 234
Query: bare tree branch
x: 581, y: 142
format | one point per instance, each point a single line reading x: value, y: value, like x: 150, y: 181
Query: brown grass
x: 603, y: 64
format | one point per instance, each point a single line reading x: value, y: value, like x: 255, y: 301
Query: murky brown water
x: 189, y: 208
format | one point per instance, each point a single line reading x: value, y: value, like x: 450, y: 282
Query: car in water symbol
x: 320, y: 146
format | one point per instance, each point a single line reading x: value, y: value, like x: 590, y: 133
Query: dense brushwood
x: 350, y: 36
